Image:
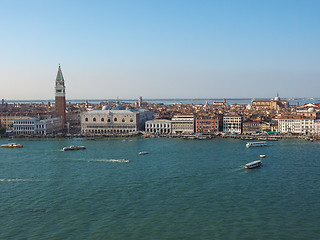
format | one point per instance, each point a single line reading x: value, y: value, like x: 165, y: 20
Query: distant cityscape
x: 159, y: 117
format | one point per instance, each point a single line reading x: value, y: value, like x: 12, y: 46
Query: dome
x: 117, y: 107
x: 311, y: 110
x: 106, y: 107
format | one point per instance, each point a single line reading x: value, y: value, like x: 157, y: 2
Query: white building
x: 307, y: 126
x: 104, y: 122
x: 296, y: 125
x: 232, y: 124
x: 35, y: 126
x: 159, y: 126
x: 183, y: 124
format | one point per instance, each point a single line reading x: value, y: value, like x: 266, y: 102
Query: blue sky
x: 160, y: 49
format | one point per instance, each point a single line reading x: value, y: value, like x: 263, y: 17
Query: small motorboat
x: 11, y: 145
x: 253, y: 164
x: 73, y: 148
x: 143, y: 153
x: 262, y: 156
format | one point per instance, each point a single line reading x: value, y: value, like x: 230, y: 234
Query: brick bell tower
x: 60, y: 99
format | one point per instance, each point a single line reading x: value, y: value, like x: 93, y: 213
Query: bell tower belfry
x: 60, y: 99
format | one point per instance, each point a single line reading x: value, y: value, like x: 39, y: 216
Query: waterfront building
x: 35, y: 126
x: 8, y: 120
x: 183, y: 124
x: 251, y: 126
x: 232, y: 124
x: 273, y: 104
x: 317, y: 126
x: 289, y: 125
x: 158, y: 126
x: 60, y: 100
x: 208, y: 124
x: 269, y: 126
x: 307, y: 126
x: 298, y: 125
x: 114, y: 121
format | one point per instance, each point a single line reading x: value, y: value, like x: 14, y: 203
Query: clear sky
x: 160, y: 48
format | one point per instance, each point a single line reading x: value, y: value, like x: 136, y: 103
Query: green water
x: 183, y: 189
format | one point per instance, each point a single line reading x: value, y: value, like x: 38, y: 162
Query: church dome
x: 106, y: 107
x: 311, y: 110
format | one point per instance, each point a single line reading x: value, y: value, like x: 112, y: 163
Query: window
x: 109, y: 120
x: 123, y: 120
x: 102, y: 119
x: 115, y: 119
x: 131, y: 120
x: 94, y: 119
x: 86, y: 119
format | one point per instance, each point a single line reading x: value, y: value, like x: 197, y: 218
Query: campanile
x: 60, y: 99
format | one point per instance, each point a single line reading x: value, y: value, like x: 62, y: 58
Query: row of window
x: 23, y: 122
x: 101, y: 131
x: 24, y: 128
x: 157, y: 125
x: 115, y: 126
x: 108, y: 120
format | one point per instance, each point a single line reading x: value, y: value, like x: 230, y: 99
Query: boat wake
x: 110, y: 160
x: 18, y: 180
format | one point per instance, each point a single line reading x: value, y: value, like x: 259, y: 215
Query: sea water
x: 182, y: 189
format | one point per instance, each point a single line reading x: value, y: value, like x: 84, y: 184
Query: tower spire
x: 60, y: 100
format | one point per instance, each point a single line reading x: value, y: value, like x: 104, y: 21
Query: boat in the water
x: 143, y: 153
x: 73, y: 148
x: 256, y: 144
x: 119, y: 160
x: 253, y: 164
x: 11, y: 145
x: 262, y: 156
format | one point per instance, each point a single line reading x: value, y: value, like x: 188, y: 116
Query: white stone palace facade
x: 35, y: 126
x: 105, y: 122
x: 159, y: 126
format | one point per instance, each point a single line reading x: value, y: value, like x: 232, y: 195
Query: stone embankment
x: 259, y: 137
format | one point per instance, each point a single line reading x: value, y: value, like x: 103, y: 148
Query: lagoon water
x: 183, y: 189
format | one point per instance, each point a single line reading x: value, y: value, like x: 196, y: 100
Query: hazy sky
x: 160, y: 49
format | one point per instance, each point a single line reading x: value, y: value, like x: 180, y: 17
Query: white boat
x: 11, y: 145
x: 256, y: 144
x: 253, y: 164
x: 73, y: 148
x: 119, y: 160
x: 262, y: 156
x: 143, y: 153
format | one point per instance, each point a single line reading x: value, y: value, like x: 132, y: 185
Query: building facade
x: 273, y: 104
x: 232, y: 124
x: 105, y: 122
x: 8, y: 120
x: 183, y: 124
x: 60, y: 99
x: 208, y: 124
x: 159, y: 126
x: 251, y: 127
x: 317, y: 126
x: 35, y: 126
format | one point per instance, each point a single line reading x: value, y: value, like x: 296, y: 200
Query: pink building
x: 317, y: 126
